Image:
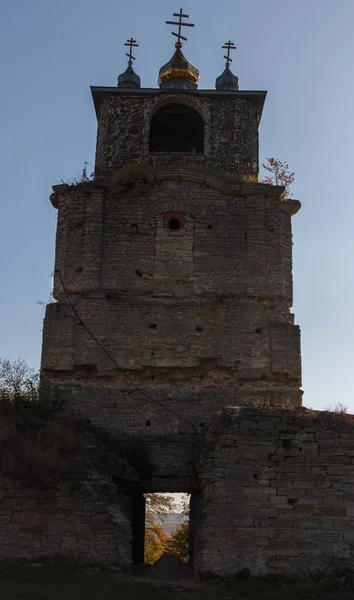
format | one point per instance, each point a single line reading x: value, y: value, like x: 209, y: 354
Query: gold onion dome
x: 178, y: 72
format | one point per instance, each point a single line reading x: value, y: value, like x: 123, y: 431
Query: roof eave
x: 98, y: 93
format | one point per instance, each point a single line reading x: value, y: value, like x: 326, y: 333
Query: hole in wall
x: 286, y: 444
x: 293, y: 501
x: 198, y: 328
x: 86, y: 368
x: 174, y: 224
x: 138, y: 273
x: 175, y: 220
x: 259, y: 330
x: 147, y: 423
x: 210, y: 226
x: 153, y: 326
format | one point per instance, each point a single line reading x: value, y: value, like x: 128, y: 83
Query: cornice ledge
x: 57, y: 191
x: 65, y: 188
x: 295, y: 205
x: 221, y: 182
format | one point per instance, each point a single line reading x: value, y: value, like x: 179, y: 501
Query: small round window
x: 175, y: 221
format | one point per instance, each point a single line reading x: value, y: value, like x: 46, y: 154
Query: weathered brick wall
x: 278, y: 492
x: 80, y: 521
x: 205, y: 307
x: 231, y: 131
x: 277, y: 496
x: 240, y: 237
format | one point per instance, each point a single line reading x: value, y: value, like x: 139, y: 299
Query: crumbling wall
x: 278, y: 492
x: 203, y: 309
x: 273, y: 491
x: 81, y: 521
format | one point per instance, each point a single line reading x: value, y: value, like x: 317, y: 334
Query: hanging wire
x: 109, y: 355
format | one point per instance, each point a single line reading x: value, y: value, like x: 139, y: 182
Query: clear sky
x: 301, y: 51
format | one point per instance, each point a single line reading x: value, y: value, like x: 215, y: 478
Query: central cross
x: 228, y: 46
x: 132, y: 44
x: 180, y: 24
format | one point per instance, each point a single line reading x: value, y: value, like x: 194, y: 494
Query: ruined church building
x: 172, y: 332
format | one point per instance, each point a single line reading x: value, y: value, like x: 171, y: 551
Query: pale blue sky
x: 301, y: 51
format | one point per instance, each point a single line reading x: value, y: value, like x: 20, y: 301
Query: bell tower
x: 173, y: 266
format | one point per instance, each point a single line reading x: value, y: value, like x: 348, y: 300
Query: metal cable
x: 108, y: 354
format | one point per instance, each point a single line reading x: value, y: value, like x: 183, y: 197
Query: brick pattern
x: 207, y: 304
x: 81, y: 521
x: 278, y: 492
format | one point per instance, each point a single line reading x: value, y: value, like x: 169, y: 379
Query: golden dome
x: 178, y: 72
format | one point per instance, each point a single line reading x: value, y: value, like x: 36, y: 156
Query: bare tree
x: 18, y: 381
x: 279, y: 174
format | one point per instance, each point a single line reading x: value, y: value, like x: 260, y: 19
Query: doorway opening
x: 164, y: 523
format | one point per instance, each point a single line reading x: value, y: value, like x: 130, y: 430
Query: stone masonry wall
x: 231, y: 132
x: 276, y: 495
x: 205, y: 307
x: 240, y: 235
x: 196, y: 318
x: 278, y: 492
x: 83, y: 522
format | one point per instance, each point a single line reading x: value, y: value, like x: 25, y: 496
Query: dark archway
x: 177, y: 128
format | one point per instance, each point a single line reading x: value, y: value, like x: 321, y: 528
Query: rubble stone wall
x: 84, y: 522
x: 278, y: 492
x: 204, y: 308
x: 231, y: 132
x: 275, y: 496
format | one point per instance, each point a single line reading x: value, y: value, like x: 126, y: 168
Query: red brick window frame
x: 175, y: 220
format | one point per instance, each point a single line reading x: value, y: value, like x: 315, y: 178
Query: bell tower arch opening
x: 177, y: 128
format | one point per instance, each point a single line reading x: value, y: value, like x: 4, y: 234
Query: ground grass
x: 63, y: 583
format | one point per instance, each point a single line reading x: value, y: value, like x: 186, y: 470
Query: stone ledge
x: 191, y: 175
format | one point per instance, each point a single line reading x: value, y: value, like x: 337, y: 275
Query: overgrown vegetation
x: 337, y: 408
x: 137, y: 179
x: 84, y: 177
x: 134, y: 178
x: 35, y: 441
x: 278, y: 174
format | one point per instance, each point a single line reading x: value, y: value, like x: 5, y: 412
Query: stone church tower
x: 173, y: 270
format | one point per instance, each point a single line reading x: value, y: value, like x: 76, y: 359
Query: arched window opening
x: 177, y: 128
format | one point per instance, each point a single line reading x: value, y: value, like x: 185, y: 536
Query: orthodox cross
x: 229, y: 46
x: 180, y: 25
x: 132, y: 44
